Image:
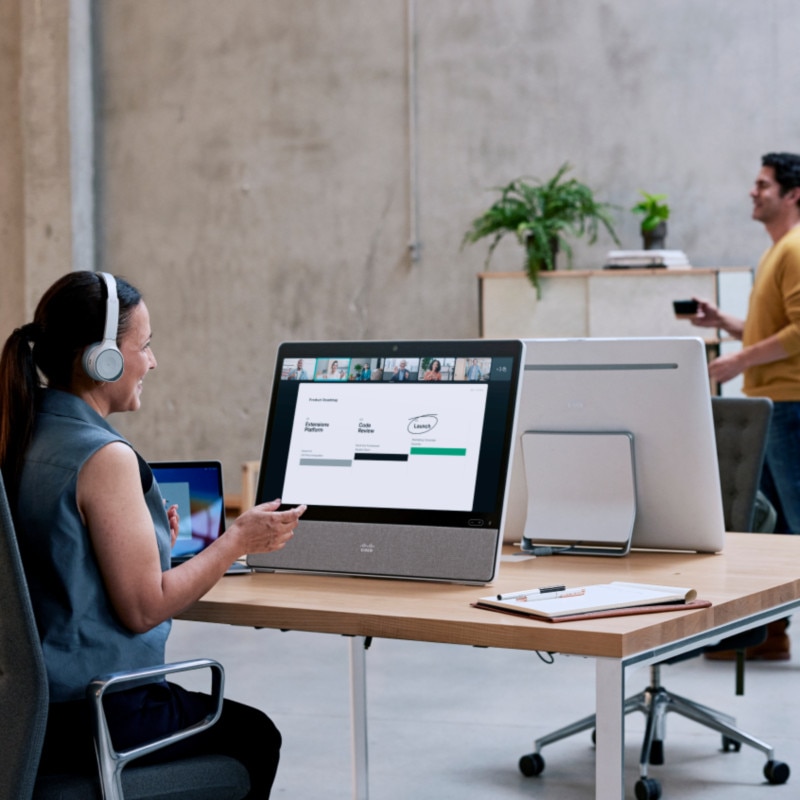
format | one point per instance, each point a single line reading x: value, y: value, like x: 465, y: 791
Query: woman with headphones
x: 95, y: 537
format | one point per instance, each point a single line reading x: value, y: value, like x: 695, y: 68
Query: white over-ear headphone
x: 103, y: 361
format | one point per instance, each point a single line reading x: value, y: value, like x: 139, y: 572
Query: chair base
x: 655, y: 703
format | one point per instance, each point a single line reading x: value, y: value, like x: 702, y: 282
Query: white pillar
x: 81, y: 129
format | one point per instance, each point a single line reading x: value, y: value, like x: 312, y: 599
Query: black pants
x: 148, y: 712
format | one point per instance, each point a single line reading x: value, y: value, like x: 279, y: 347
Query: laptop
x: 196, y: 488
x: 400, y: 450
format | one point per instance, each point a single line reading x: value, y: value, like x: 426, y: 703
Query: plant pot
x: 654, y: 238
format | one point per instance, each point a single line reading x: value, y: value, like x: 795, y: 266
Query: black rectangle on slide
x: 380, y: 457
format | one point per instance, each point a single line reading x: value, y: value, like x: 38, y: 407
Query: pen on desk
x: 545, y: 595
x: 540, y: 590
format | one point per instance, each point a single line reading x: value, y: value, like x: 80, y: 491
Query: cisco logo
x: 367, y: 548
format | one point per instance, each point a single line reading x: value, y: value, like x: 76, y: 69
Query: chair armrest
x: 111, y: 762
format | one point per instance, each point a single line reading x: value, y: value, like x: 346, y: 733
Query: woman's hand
x: 174, y: 524
x: 264, y: 529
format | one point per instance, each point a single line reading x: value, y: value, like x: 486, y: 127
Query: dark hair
x: 69, y: 317
x: 786, y: 167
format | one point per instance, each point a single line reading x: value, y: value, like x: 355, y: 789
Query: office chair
x: 741, y: 428
x: 24, y: 705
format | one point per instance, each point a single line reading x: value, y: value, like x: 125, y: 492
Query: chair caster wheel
x: 648, y: 789
x: 729, y: 744
x: 531, y: 765
x: 776, y: 772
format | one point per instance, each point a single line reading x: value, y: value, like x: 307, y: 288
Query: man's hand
x: 709, y: 316
x: 724, y: 368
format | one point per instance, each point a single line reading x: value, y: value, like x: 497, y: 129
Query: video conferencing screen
x: 393, y: 432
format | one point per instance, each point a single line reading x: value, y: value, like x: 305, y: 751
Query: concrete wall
x: 255, y: 164
x: 12, y: 308
x: 35, y: 228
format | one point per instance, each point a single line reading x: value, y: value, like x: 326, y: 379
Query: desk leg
x: 610, y: 754
x: 358, y: 716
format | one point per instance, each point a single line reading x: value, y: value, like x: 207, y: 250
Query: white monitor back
x: 656, y: 389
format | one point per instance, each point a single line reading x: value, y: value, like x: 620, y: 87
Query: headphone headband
x: 112, y: 309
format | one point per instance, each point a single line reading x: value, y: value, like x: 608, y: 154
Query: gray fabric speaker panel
x: 391, y: 551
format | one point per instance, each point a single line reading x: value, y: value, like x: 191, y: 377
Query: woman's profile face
x: 125, y: 394
x: 436, y: 366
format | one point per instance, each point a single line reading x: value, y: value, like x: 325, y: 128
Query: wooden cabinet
x: 606, y: 302
x: 610, y: 303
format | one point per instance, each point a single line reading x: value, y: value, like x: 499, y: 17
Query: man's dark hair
x: 786, y: 167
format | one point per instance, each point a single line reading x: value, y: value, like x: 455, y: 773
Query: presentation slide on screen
x: 385, y: 446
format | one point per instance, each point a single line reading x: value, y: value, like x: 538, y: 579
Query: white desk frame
x: 609, y: 705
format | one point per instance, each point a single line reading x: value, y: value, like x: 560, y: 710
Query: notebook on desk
x: 196, y: 488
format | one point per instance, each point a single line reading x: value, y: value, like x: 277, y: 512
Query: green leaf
x: 653, y: 209
x: 543, y: 216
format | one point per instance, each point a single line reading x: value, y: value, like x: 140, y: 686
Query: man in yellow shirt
x: 770, y: 355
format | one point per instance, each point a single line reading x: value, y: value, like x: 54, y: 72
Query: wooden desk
x: 756, y: 580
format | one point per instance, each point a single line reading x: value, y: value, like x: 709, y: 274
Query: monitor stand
x: 581, y: 492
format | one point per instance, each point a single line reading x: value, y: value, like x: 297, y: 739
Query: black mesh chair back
x: 23, y: 680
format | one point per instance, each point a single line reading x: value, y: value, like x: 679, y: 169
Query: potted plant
x: 542, y: 216
x: 655, y: 213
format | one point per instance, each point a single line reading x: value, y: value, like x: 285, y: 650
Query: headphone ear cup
x: 103, y: 362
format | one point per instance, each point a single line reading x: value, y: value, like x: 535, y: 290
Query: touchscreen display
x: 392, y: 432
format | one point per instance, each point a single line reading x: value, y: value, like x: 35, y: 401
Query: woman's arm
x: 112, y: 506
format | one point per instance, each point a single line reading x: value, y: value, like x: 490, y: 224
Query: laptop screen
x: 196, y: 488
x: 394, y: 437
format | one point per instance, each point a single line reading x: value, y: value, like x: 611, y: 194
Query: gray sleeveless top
x: 81, y: 635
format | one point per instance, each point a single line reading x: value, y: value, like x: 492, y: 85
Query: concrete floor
x: 448, y: 721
